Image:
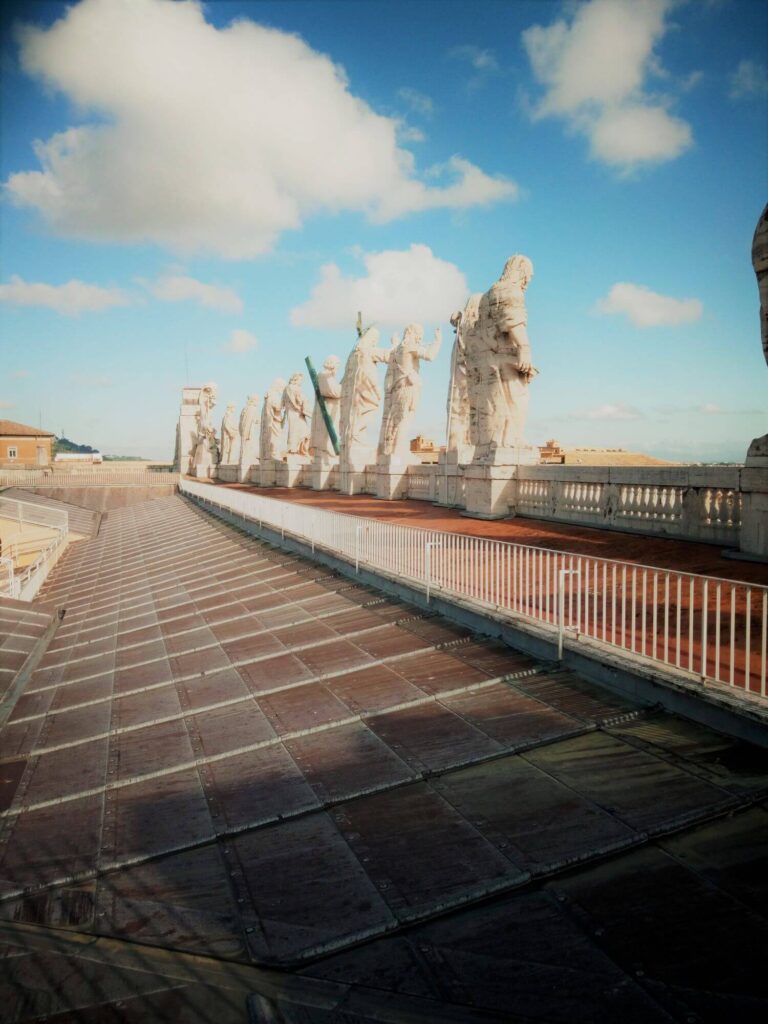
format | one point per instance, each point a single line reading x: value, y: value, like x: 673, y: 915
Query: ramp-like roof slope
x: 230, y: 752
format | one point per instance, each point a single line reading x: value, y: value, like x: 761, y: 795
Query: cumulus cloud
x: 595, y: 68
x: 479, y: 59
x: 418, y: 102
x: 70, y: 298
x: 223, y: 161
x: 179, y: 288
x: 399, y: 286
x: 615, y: 411
x: 646, y: 308
x: 748, y: 80
x: 241, y: 341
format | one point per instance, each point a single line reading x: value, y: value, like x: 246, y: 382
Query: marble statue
x: 229, y: 435
x: 402, y: 387
x: 208, y: 395
x: 297, y: 416
x: 753, y: 478
x: 272, y: 419
x: 205, y: 451
x: 206, y: 454
x: 460, y: 433
x: 360, y: 393
x: 248, y: 428
x: 760, y: 265
x: 330, y: 389
x: 498, y: 359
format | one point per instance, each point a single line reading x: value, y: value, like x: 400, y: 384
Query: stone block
x: 489, y: 491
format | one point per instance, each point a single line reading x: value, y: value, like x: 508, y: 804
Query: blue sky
x: 209, y: 192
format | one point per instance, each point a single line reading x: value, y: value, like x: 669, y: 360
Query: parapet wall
x: 107, y: 496
x: 696, y: 503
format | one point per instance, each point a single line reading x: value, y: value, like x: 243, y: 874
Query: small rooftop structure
x: 23, y: 445
x: 425, y: 448
x: 553, y: 453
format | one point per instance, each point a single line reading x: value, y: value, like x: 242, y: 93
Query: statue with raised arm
x: 403, y: 387
x: 330, y: 388
x: 296, y: 416
x: 229, y: 435
x: 272, y: 419
x: 360, y: 393
x: 498, y: 355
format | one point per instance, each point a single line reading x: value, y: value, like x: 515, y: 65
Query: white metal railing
x: 30, y: 512
x: 8, y: 587
x: 31, y: 577
x: 715, y: 630
x: 25, y: 582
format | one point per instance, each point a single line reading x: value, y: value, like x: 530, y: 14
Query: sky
x: 210, y: 192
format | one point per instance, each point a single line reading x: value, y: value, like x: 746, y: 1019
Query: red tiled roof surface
x: 10, y: 429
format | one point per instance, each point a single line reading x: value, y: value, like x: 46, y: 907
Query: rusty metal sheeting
x: 235, y: 754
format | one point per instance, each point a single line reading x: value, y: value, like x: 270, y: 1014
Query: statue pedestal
x: 753, y: 543
x: 209, y: 472
x: 267, y: 472
x: 229, y: 473
x: 392, y: 476
x: 451, y: 467
x: 290, y: 472
x: 248, y: 469
x: 352, y: 469
x: 324, y: 472
x: 489, y: 483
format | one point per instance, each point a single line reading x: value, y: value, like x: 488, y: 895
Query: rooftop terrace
x: 231, y: 770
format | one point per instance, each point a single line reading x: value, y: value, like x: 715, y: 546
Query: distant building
x: 427, y: 450
x: 89, y: 457
x: 553, y: 454
x: 21, y: 445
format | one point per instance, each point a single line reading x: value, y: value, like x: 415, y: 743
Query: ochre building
x: 21, y: 445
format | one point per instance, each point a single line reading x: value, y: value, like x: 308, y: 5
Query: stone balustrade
x: 697, y: 503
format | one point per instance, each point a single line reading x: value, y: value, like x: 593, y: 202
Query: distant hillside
x: 63, y: 444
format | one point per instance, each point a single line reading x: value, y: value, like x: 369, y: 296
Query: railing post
x: 428, y: 562
x: 561, y: 607
x: 358, y: 531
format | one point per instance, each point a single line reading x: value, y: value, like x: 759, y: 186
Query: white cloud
x: 5, y: 404
x: 631, y: 135
x: 179, y: 288
x: 748, y: 80
x: 595, y: 68
x: 710, y: 409
x: 399, y: 287
x: 417, y: 101
x: 222, y: 161
x: 70, y: 298
x: 241, y: 341
x: 646, y: 308
x: 616, y: 411
x: 408, y: 133
x: 19, y: 374
x: 479, y: 59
